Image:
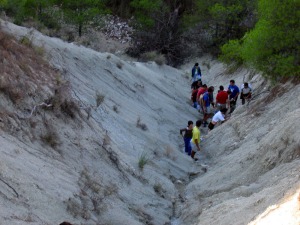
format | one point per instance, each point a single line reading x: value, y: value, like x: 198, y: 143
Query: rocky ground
x: 94, y: 139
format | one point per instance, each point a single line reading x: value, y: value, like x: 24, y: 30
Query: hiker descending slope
x: 188, y: 134
x: 195, y: 142
x: 196, y: 72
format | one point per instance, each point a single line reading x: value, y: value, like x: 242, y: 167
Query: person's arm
x: 237, y: 94
x: 197, y: 144
x: 182, y: 130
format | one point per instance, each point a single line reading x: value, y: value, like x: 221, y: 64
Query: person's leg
x: 186, y: 144
x: 232, y: 106
x: 193, y: 154
x: 189, y: 147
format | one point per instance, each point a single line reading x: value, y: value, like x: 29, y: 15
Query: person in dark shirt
x: 188, y: 134
x: 235, y: 91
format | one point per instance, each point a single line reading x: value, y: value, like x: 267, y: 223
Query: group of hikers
x: 219, y: 110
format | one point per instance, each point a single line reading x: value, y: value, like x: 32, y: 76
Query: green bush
x: 273, y: 45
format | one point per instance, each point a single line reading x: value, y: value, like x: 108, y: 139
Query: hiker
x: 196, y: 84
x: 219, y: 116
x: 200, y: 93
x: 221, y: 99
x: 211, y: 96
x: 196, y: 72
x: 194, y: 99
x: 188, y: 134
x: 206, y: 105
x: 234, y: 95
x: 245, y: 93
x: 195, y: 142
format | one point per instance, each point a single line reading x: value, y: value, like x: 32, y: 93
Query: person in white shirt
x: 246, y: 92
x: 218, y: 117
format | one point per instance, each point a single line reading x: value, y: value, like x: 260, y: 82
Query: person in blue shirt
x: 206, y: 105
x: 235, y: 91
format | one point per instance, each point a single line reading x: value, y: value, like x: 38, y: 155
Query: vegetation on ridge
x: 261, y: 34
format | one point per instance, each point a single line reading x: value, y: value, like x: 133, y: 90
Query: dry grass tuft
x: 143, y: 160
x: 99, y: 99
x: 91, y: 198
x: 21, y: 67
x: 158, y: 58
x: 50, y: 138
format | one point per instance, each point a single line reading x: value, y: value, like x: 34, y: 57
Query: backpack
x: 201, y: 99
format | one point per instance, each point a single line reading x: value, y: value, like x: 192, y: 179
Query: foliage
x: 224, y: 20
x: 143, y: 160
x: 145, y: 9
x: 160, y: 26
x: 273, y: 45
x: 81, y: 12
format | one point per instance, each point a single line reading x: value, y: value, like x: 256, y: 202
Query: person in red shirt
x: 222, y: 99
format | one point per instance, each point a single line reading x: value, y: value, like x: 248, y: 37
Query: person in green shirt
x: 195, y: 142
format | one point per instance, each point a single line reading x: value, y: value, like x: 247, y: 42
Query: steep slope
x: 104, y: 147
x: 254, y: 158
x: 81, y: 159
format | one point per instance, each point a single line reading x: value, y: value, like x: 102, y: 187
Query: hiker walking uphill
x: 234, y: 95
x: 188, y: 134
x: 195, y: 142
x: 196, y: 73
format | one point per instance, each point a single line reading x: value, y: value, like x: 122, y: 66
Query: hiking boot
x: 195, y: 159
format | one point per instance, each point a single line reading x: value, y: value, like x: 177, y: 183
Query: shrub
x: 143, y: 160
x: 50, y: 138
x: 70, y: 108
x: 26, y: 41
x: 159, y: 59
x: 157, y: 188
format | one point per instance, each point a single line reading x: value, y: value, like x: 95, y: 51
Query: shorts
x: 211, y: 126
x: 207, y: 110
x: 194, y: 147
x: 221, y: 106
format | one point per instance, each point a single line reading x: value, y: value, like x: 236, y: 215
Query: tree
x: 223, y: 20
x: 159, y: 28
x: 273, y: 45
x: 81, y: 12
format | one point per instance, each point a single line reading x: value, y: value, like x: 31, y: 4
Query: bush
x: 273, y: 45
x: 159, y: 59
x: 50, y: 138
x: 143, y: 160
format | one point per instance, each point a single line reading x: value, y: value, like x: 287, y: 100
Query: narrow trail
x: 199, y: 168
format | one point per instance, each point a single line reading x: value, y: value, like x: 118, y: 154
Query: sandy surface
x: 93, y: 176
